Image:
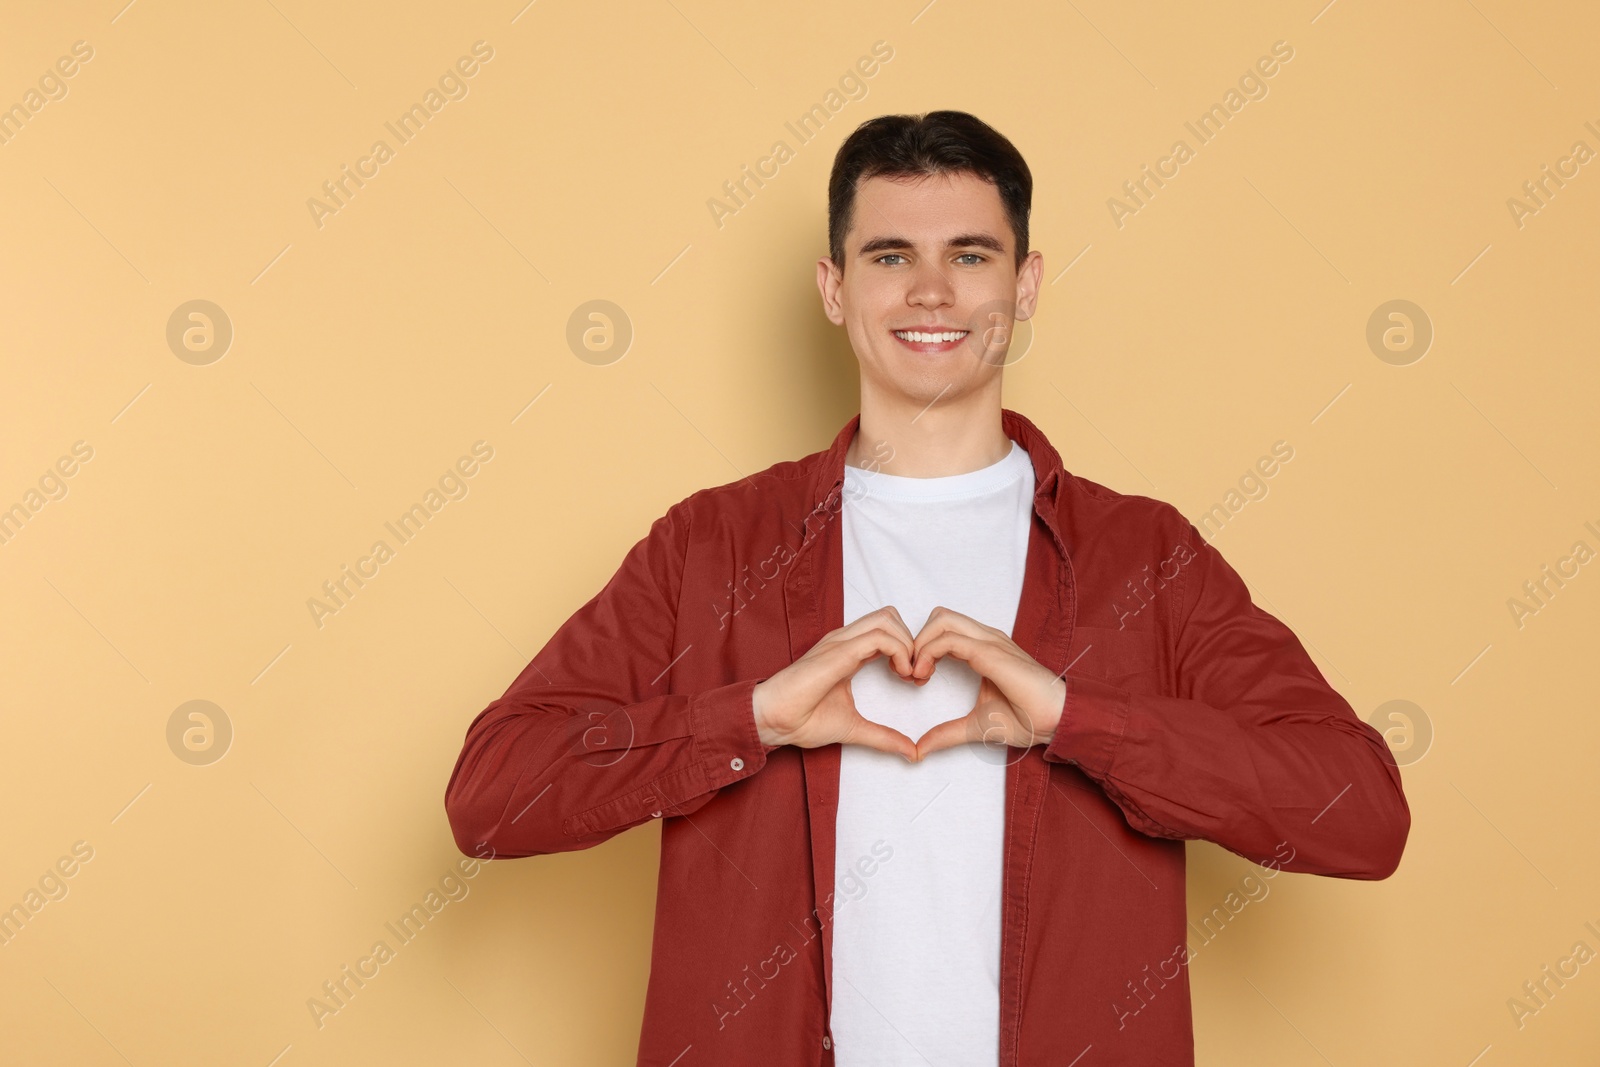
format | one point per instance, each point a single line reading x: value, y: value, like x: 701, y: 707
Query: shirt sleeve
x: 587, y: 741
x: 1256, y: 753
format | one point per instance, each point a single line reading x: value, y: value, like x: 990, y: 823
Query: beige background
x: 430, y: 311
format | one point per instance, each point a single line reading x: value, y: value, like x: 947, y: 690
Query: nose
x: 929, y: 286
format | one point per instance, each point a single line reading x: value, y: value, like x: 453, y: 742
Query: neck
x: 911, y: 438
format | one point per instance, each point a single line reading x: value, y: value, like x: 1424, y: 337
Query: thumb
x: 875, y: 735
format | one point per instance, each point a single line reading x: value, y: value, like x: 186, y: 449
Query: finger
x: 875, y: 735
x: 885, y: 618
x: 900, y: 626
x: 942, y: 620
x: 976, y: 652
x: 947, y: 734
x: 864, y: 646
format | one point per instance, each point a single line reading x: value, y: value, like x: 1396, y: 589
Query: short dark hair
x: 938, y: 142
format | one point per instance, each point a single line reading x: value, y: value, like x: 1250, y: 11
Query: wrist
x: 1058, y: 701
x: 758, y: 712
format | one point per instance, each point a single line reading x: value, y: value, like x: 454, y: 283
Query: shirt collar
x: 828, y: 480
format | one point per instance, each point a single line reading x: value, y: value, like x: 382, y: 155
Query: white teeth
x: 930, y: 338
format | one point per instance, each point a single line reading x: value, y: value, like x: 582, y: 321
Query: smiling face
x: 930, y: 289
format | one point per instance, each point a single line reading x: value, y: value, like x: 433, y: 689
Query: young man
x: 926, y: 719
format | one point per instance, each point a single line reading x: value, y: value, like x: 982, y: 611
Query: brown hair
x: 939, y: 142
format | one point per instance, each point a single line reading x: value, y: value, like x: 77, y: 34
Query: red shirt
x: 1190, y: 714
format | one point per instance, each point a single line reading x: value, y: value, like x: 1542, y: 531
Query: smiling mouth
x: 930, y: 340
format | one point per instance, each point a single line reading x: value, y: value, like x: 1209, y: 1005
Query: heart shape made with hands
x: 1019, y: 701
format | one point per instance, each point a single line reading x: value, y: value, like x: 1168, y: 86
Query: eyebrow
x: 963, y: 240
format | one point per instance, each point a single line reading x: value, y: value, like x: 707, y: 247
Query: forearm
x: 1300, y: 771
x: 537, y: 777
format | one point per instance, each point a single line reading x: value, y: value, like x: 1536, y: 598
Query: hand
x: 1019, y: 699
x: 809, y: 704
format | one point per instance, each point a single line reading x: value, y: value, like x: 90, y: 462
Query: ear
x: 829, y: 279
x: 1028, y: 284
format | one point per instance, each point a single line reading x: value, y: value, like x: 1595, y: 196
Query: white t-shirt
x: 918, y: 862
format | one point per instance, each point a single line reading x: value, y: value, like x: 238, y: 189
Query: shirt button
x: 655, y: 815
x: 736, y: 763
x: 825, y: 1042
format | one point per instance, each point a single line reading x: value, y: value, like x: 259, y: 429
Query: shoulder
x: 1095, y: 509
x: 782, y: 489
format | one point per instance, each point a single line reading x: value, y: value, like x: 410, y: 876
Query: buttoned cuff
x: 1093, y: 721
x: 726, y: 742
x: 725, y: 749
